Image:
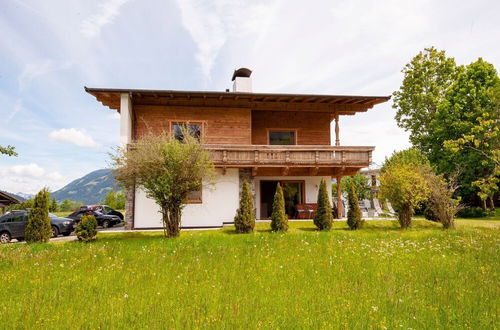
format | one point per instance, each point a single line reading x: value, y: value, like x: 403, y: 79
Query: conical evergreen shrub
x: 354, y: 216
x: 86, y: 229
x: 323, y: 219
x: 279, y: 219
x: 38, y: 228
x: 244, y: 221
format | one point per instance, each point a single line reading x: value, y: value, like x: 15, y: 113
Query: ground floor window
x: 194, y: 197
x: 293, y: 191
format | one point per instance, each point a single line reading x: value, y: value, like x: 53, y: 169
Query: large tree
x: 167, y: 170
x: 8, y: 150
x: 426, y: 81
x: 466, y: 131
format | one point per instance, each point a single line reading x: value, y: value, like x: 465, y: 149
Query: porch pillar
x: 337, y: 131
x: 129, y: 207
x: 125, y: 119
x: 340, y: 208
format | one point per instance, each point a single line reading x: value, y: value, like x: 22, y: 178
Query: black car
x: 103, y: 220
x: 13, y: 224
x: 104, y: 209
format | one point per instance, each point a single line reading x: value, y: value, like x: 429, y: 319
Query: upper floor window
x: 282, y: 137
x: 179, y: 128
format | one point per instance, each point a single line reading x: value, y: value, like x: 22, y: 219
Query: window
x: 194, y: 197
x: 282, y: 137
x: 17, y: 217
x: 194, y: 130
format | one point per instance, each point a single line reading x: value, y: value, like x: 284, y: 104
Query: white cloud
x: 17, y: 107
x: 212, y: 23
x: 37, y: 69
x: 29, y: 178
x: 91, y: 27
x: 74, y: 136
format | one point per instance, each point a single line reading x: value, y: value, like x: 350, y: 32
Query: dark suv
x: 103, y: 220
x: 13, y: 224
x: 104, y: 209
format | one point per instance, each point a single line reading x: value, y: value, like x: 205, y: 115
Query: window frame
x: 195, y: 201
x: 295, y: 135
x: 187, y: 122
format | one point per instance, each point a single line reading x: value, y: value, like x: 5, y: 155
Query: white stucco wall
x: 219, y: 205
x: 311, y: 187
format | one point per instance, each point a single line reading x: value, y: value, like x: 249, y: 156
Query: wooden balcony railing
x: 290, y: 155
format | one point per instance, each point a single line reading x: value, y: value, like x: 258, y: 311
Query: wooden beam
x: 340, y: 207
x: 314, y: 171
x: 285, y: 170
x: 255, y: 170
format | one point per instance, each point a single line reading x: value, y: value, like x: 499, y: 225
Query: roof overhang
x: 7, y: 199
x: 338, y: 104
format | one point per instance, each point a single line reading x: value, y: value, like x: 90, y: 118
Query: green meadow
x: 377, y: 277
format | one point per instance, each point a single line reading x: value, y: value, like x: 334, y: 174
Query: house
x: 265, y: 138
x: 7, y: 199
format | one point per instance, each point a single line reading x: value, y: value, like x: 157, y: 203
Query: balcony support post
x: 340, y: 208
x: 337, y: 131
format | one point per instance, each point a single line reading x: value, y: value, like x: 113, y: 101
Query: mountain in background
x: 25, y: 196
x: 89, y: 189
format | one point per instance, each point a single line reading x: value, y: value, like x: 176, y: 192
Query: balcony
x: 290, y: 156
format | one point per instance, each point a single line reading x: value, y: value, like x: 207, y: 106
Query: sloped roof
x: 338, y: 104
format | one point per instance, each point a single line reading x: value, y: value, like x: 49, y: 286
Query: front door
x: 293, y: 192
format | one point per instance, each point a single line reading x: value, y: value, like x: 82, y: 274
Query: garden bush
x: 86, y: 229
x: 244, y: 221
x: 354, y: 216
x: 279, y: 219
x: 472, y: 212
x: 38, y: 228
x: 323, y: 218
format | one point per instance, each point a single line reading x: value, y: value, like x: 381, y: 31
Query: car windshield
x: 98, y: 213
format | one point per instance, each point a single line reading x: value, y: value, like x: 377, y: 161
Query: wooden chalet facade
x: 260, y: 137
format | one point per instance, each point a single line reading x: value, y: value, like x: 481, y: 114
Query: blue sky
x: 50, y: 49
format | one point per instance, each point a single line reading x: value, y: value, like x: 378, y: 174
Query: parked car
x: 13, y: 225
x: 103, y: 220
x: 104, y: 209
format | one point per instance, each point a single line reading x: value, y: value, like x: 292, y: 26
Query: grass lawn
x: 377, y: 277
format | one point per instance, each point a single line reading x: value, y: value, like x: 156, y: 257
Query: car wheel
x: 66, y: 234
x: 4, y: 237
x: 105, y: 224
x: 55, y: 231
